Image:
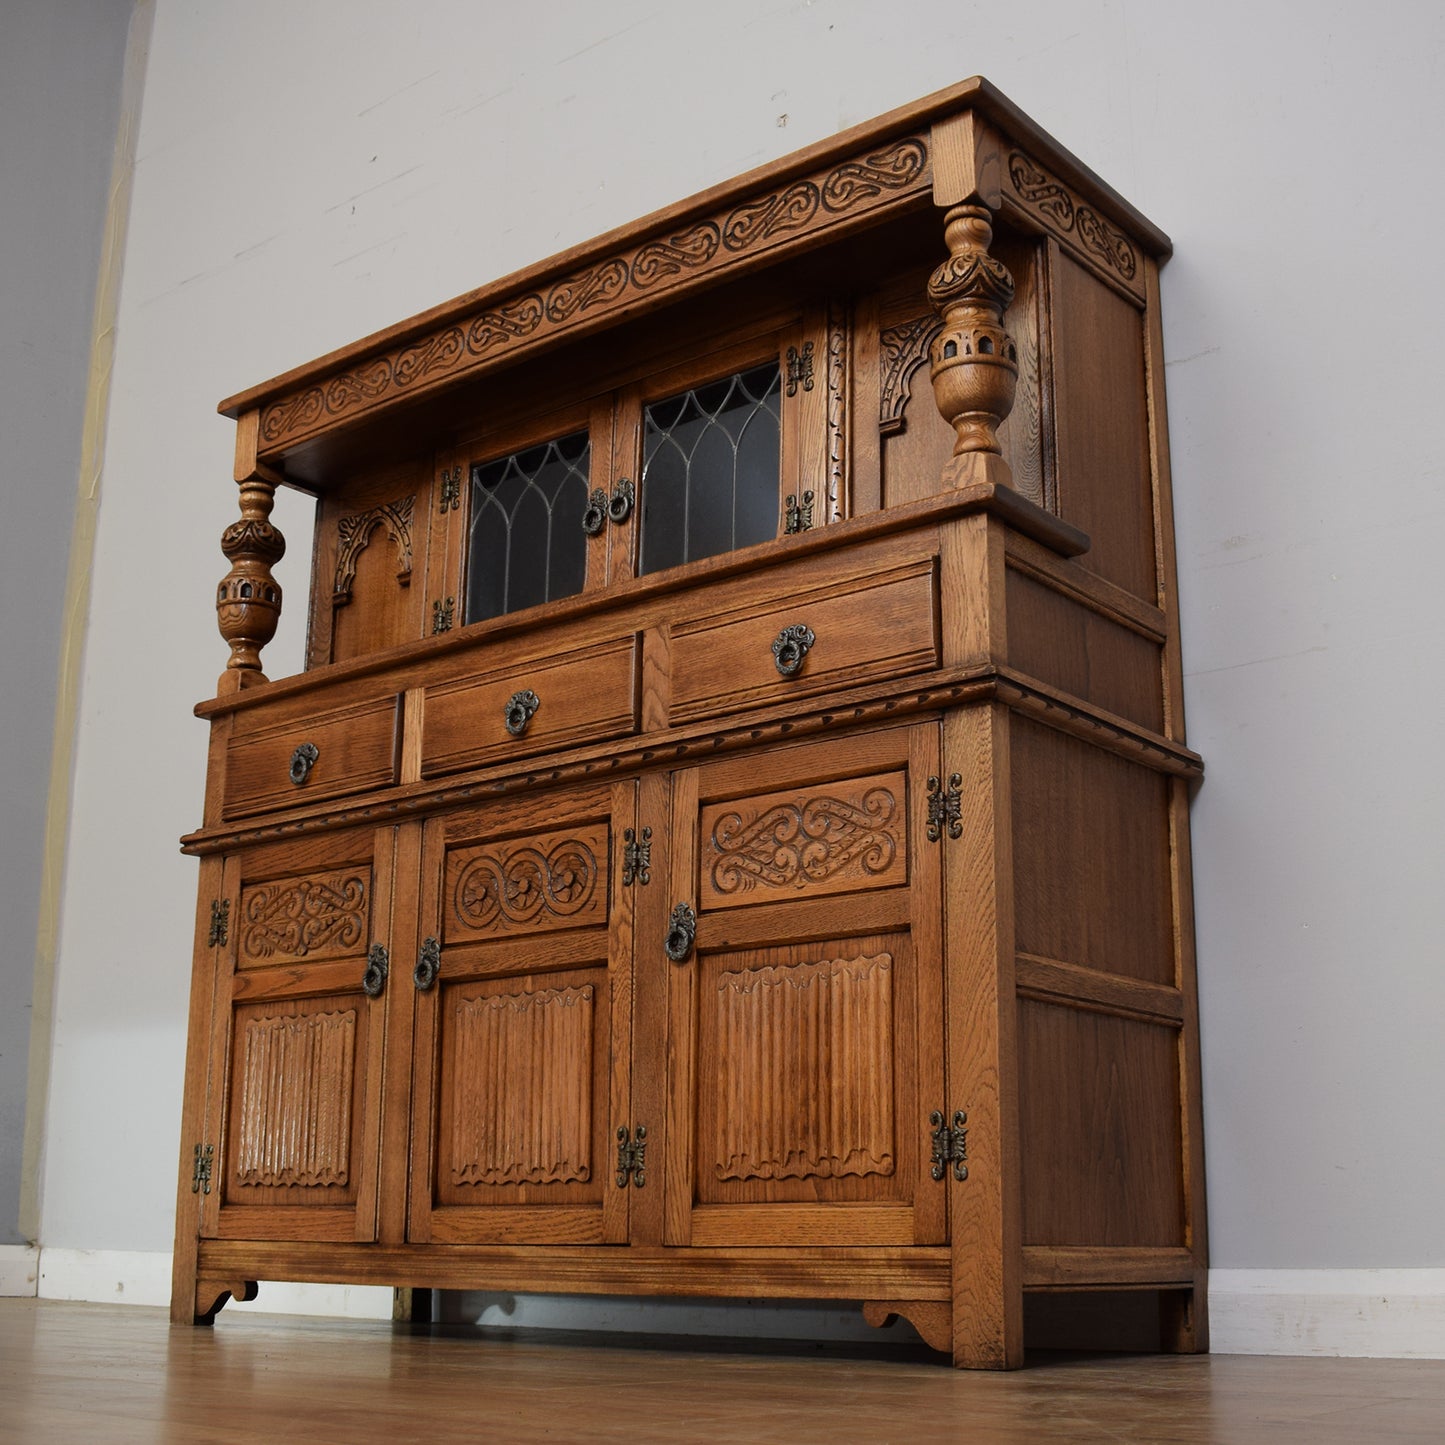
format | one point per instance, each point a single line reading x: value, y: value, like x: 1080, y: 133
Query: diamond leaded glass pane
x: 527, y: 544
x: 710, y: 468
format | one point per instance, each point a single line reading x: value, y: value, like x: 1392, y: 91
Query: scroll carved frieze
x: 806, y: 1070
x: 522, y: 1113
x: 353, y: 534
x: 902, y: 350
x: 529, y: 885
x: 323, y: 915
x: 851, y: 837
x: 295, y: 1091
x: 713, y: 243
x: 1065, y: 212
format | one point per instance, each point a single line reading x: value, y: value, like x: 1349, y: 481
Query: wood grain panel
x: 522, y: 1111
x: 584, y: 696
x: 1099, y: 1104
x: 357, y: 749
x: 295, y: 1113
x: 1091, y: 854
x: 777, y: 1029
x: 1101, y: 426
x: 866, y: 627
x: 834, y: 838
x: 308, y: 919
x: 1073, y: 648
x: 537, y: 884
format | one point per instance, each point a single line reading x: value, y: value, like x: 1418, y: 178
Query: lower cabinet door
x: 805, y: 1039
x: 298, y: 1039
x: 521, y: 1077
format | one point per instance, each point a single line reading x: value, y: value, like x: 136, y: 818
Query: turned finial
x: 248, y: 600
x: 974, y: 360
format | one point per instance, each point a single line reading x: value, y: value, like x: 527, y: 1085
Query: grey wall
x: 60, y: 78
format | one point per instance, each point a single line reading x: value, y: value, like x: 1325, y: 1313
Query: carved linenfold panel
x: 902, y: 350
x: 710, y: 244
x: 522, y: 1071
x: 838, y: 838
x: 806, y: 1070
x: 1056, y: 204
x: 528, y: 885
x: 323, y: 915
x: 295, y: 1075
x: 355, y: 532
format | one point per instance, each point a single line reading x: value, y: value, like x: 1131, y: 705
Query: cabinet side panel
x: 1091, y: 851
x: 1101, y: 426
x: 1099, y: 1118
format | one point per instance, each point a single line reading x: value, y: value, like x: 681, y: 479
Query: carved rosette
x: 248, y: 600
x: 974, y: 362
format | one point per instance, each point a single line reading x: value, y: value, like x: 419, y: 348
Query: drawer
x: 355, y: 748
x: 554, y: 701
x: 850, y: 630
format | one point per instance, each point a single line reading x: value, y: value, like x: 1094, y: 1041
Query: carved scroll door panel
x: 521, y: 1075
x: 298, y: 1040
x: 805, y: 1038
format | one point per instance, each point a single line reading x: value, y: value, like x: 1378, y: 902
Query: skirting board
x: 1375, y: 1313
x: 19, y: 1270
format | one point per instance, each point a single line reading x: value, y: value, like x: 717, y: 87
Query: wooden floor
x: 108, y: 1374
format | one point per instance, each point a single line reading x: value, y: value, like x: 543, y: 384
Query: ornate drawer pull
x: 302, y: 761
x: 428, y: 965
x: 791, y: 646
x: 680, y: 934
x: 520, y: 707
x: 378, y: 965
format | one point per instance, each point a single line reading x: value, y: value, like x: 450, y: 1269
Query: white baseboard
x: 1374, y: 1313
x: 137, y: 1277
x: 19, y: 1269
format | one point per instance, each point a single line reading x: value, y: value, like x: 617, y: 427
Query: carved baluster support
x: 248, y: 600
x: 974, y: 360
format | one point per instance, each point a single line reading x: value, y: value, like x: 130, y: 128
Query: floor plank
x: 72, y: 1372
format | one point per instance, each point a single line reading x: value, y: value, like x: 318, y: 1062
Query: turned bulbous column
x: 974, y: 362
x: 248, y: 600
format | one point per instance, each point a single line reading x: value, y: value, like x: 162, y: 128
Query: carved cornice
x: 716, y: 243
x: 1063, y: 212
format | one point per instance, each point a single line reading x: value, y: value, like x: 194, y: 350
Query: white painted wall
x: 309, y: 173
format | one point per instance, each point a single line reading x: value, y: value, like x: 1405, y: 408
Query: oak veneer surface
x: 71, y: 1372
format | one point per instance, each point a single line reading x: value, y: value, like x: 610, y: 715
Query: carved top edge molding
x: 874, y: 179
x: 1065, y: 213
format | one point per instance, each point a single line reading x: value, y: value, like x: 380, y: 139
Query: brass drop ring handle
x: 619, y: 504
x: 682, y: 930
x: 302, y: 761
x: 791, y: 646
x: 594, y: 515
x: 378, y: 965
x: 428, y: 965
x: 519, y: 710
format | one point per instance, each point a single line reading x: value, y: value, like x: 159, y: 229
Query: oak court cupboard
x: 731, y: 835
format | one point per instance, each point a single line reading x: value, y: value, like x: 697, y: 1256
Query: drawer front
x: 304, y: 760
x: 854, y: 630
x: 556, y: 701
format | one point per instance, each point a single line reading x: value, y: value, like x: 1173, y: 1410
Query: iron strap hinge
x: 220, y: 922
x: 950, y: 1144
x: 631, y: 1156
x: 945, y: 808
x: 201, y: 1168
x: 636, y: 857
